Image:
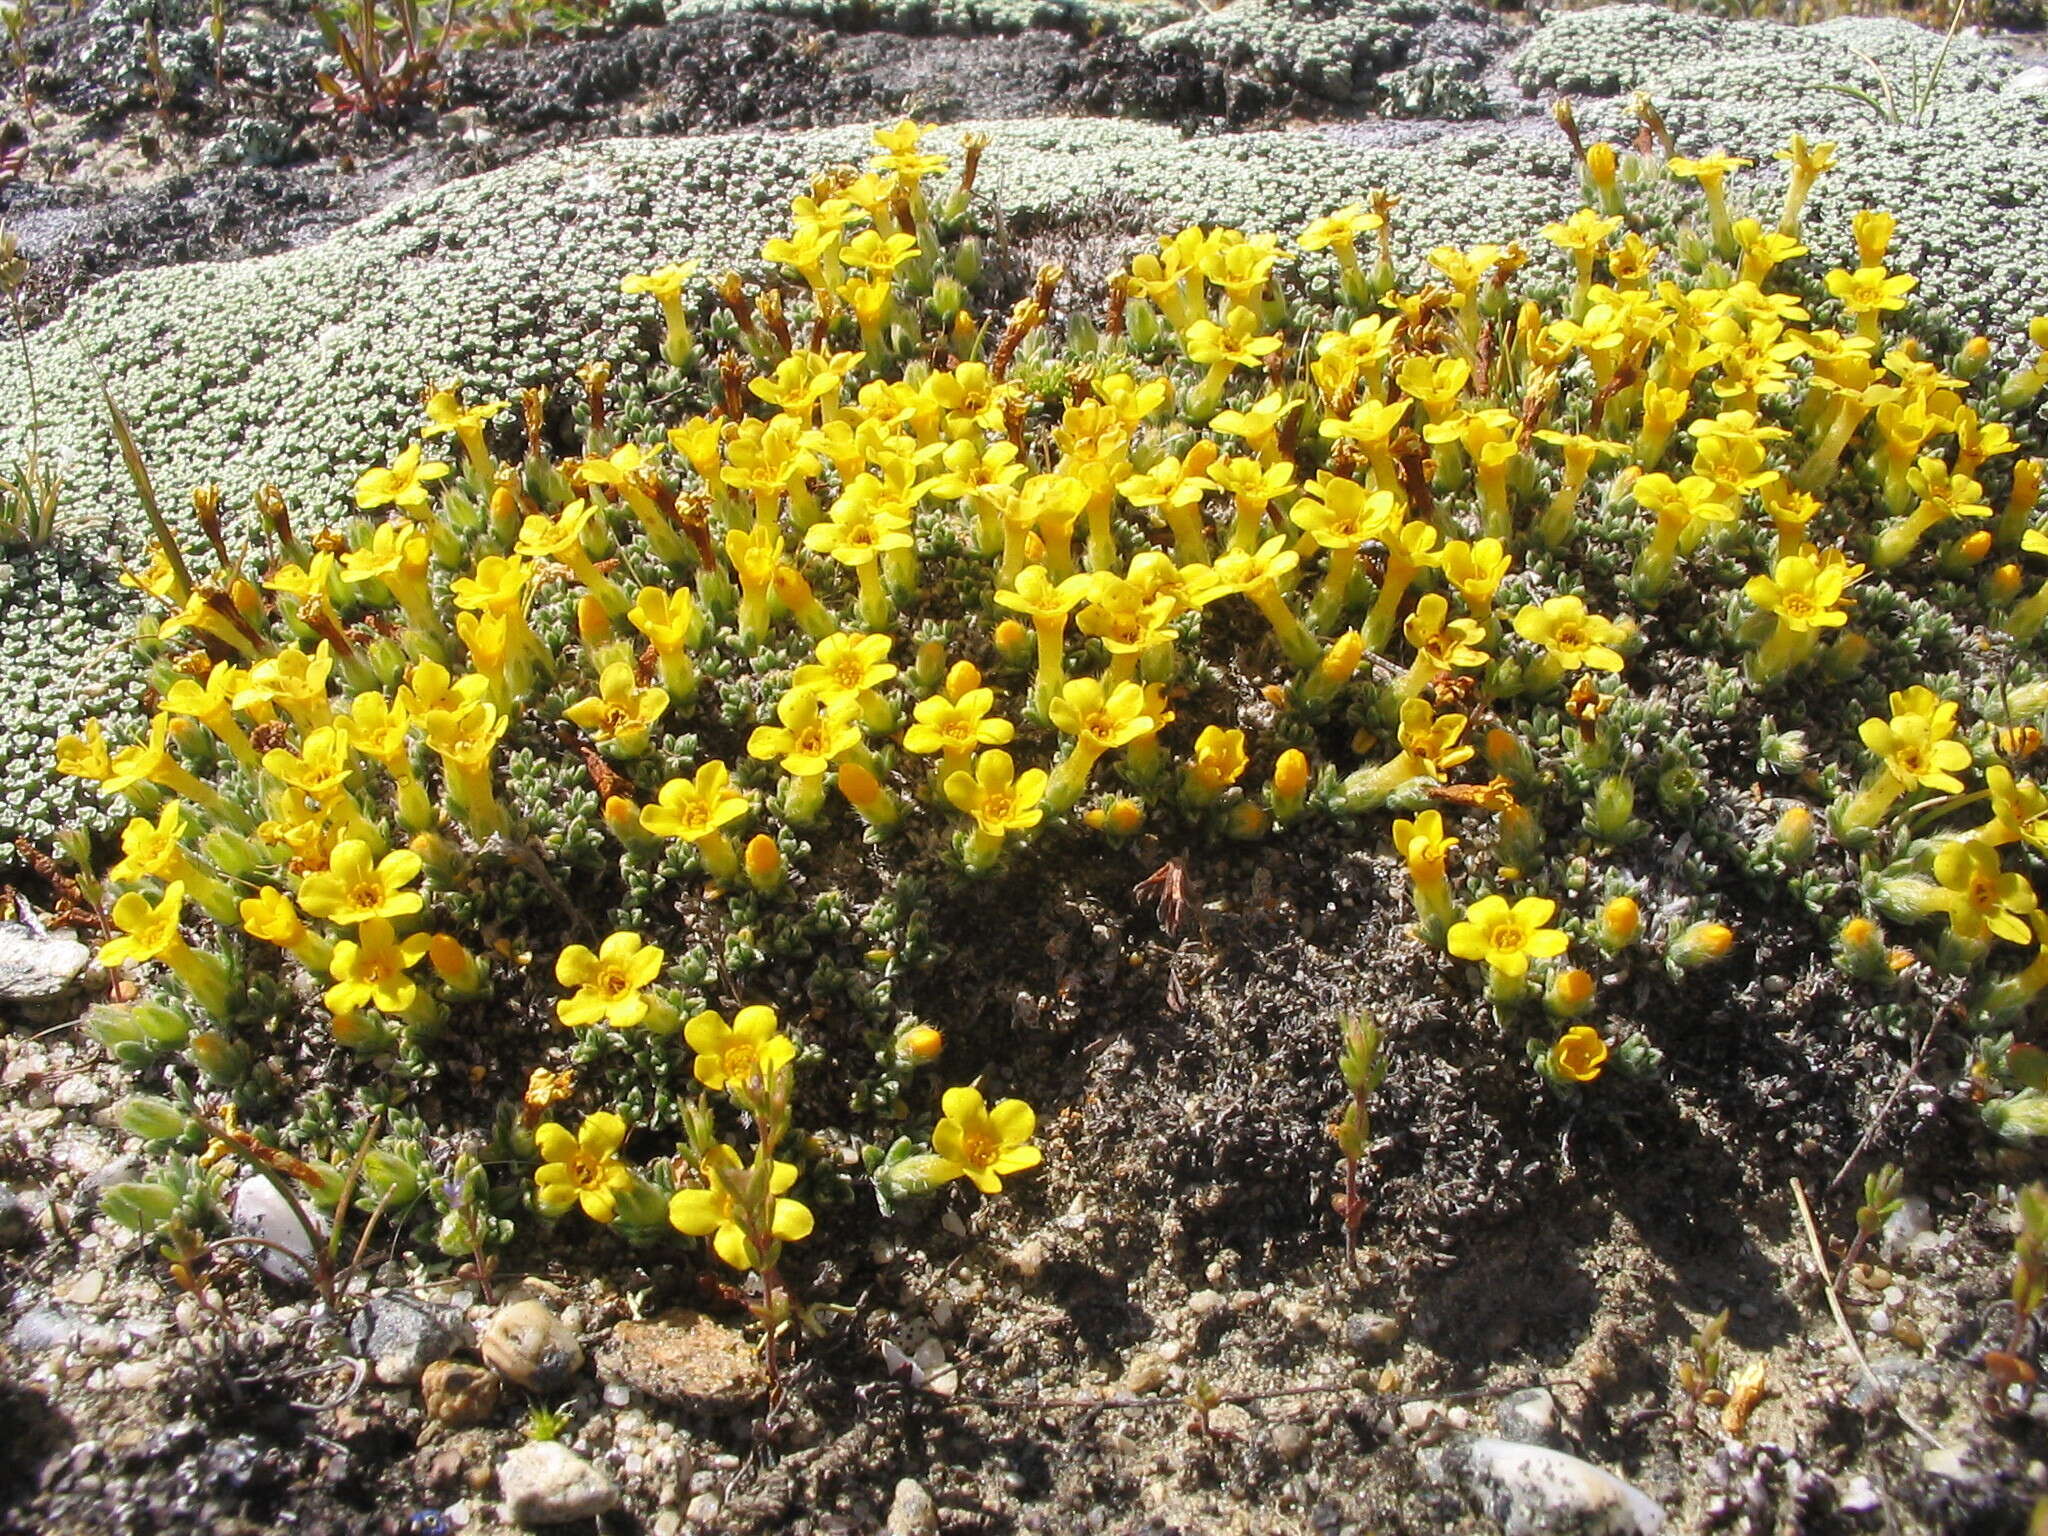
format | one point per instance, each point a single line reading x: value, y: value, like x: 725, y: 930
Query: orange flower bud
x: 593, y: 624
x: 1701, y: 944
x: 765, y: 871
x: 962, y: 677
x: 1621, y: 923
x: 919, y: 1045
x: 1013, y: 642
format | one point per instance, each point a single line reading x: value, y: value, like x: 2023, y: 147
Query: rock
x: 1371, y: 1334
x: 685, y: 1359
x: 258, y: 1210
x: 1146, y: 1372
x: 531, y: 1347
x: 1290, y: 1442
x: 703, y: 1510
x: 912, y: 1512
x: 1529, y: 1490
x: 80, y: 1090
x: 39, y: 967
x: 1528, y: 1416
x: 1913, y: 1218
x: 401, y: 1336
x: 17, y: 1222
x: 458, y: 1394
x: 46, y: 1328
x: 546, y: 1483
x: 2031, y: 81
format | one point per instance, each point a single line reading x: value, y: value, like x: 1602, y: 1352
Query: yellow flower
x: 86, y: 756
x: 154, y: 850
x: 372, y: 968
x: 1423, y: 845
x: 498, y: 585
x: 1579, y: 1054
x: 732, y: 1057
x: 1507, y: 937
x: 663, y: 284
x: 1870, y: 290
x: 1220, y: 759
x: 665, y: 618
x: 620, y: 712
x: 1101, y: 720
x: 353, y: 889
x: 147, y: 932
x: 1575, y: 637
x: 610, y: 985
x: 1981, y: 897
x: 981, y: 1144
x: 811, y: 735
x: 270, y: 916
x: 717, y: 1210
x: 403, y: 485
x: 691, y: 809
x: 1914, y: 745
x: 847, y: 667
x: 998, y: 798
x: 583, y: 1169
x: 2020, y: 810
x: 1805, y: 591
x: 957, y: 726
x: 1432, y: 740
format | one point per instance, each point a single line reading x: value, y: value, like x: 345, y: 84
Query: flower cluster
x: 1279, y: 541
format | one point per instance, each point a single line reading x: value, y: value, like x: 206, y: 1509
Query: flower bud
x: 1290, y: 785
x: 1611, y: 817
x: 362, y: 1032
x: 1620, y: 925
x: 1508, y: 756
x: 1569, y: 994
x: 1342, y: 657
x: 1972, y: 548
x: 2004, y: 582
x: 1246, y: 820
x: 763, y: 860
x: 962, y: 678
x: 928, y: 668
x: 2018, y: 1120
x: 1792, y: 837
x: 1122, y: 817
x: 593, y: 624
x: 918, y: 1046
x: 1014, y: 643
x: 161, y: 1025
x: 154, y: 1119
x: 1975, y: 354
x: 458, y: 969
x: 222, y: 1061
x: 1700, y: 944
x: 1860, y: 950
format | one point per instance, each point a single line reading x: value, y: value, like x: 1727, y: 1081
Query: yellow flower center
x: 1506, y: 937
x: 587, y: 1171
x: 613, y: 982
x: 979, y: 1149
x: 366, y: 897
x: 1797, y: 605
x: 740, y: 1062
